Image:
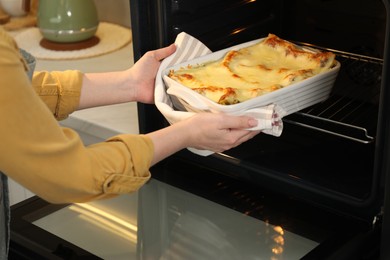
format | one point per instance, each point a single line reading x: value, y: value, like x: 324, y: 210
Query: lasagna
x: 271, y: 64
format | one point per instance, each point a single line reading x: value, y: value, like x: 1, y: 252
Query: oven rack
x: 350, y: 110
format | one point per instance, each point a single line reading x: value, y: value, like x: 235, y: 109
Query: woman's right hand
x: 219, y: 132
x: 204, y: 131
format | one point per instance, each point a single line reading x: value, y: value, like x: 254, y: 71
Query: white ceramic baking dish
x: 291, y: 99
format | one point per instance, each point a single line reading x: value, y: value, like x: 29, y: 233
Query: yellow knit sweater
x: 52, y: 161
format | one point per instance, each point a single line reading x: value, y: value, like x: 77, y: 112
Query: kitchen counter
x: 100, y: 123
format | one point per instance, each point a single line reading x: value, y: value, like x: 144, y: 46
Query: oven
x: 322, y: 186
x: 332, y: 157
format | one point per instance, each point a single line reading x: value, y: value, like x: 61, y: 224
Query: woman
x: 52, y: 161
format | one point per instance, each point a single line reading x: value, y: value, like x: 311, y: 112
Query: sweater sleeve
x: 52, y: 161
x: 60, y: 91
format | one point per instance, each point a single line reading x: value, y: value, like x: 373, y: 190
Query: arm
x: 65, y: 92
x: 133, y: 84
x: 207, y: 131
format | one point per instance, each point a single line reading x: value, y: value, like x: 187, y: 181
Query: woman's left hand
x: 143, y: 73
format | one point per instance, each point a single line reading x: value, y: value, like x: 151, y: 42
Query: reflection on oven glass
x: 190, y: 227
x: 107, y: 228
x: 164, y: 222
x: 110, y: 223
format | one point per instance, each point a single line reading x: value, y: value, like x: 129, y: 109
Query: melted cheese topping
x: 253, y: 71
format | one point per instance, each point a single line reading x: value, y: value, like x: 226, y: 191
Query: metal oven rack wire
x: 352, y: 108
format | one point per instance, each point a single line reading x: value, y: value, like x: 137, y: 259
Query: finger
x: 244, y: 135
x: 162, y: 53
x: 238, y: 122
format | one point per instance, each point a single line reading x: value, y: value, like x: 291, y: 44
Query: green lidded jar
x: 67, y: 21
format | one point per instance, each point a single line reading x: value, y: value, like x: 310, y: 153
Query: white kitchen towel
x: 187, y: 47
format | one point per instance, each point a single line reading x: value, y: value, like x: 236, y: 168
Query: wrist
x: 120, y: 87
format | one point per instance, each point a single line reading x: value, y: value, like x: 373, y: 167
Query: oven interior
x: 327, y: 153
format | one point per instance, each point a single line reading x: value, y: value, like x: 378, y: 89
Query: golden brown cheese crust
x: 255, y: 70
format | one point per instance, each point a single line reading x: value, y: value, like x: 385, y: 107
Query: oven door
x: 332, y: 156
x: 188, y: 213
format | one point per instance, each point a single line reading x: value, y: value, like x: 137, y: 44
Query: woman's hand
x: 218, y: 132
x: 143, y: 73
x: 205, y: 131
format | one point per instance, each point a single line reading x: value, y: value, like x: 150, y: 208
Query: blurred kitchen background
x: 114, y: 11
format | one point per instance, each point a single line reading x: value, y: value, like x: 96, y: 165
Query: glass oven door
x: 186, y: 213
